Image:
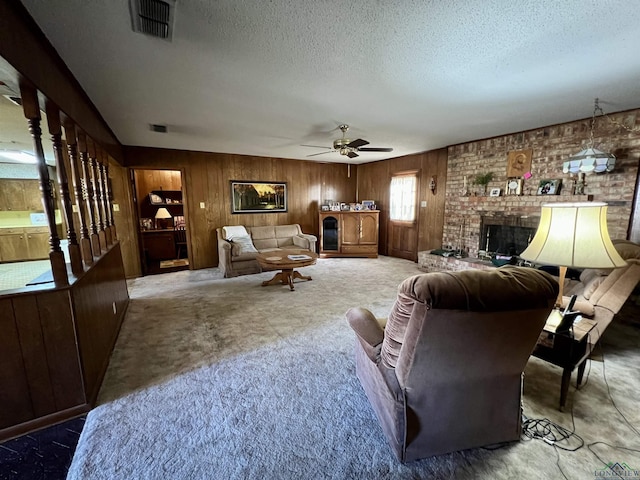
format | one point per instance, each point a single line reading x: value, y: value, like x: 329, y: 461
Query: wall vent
x: 13, y: 99
x: 153, y: 17
x: 158, y: 128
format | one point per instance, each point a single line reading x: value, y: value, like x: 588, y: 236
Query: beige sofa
x: 233, y: 261
x: 601, y: 293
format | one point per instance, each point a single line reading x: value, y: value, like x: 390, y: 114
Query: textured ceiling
x: 263, y: 77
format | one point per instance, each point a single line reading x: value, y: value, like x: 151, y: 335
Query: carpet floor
x: 223, y: 378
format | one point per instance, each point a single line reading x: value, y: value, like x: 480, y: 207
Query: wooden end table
x: 567, y: 350
x: 280, y: 260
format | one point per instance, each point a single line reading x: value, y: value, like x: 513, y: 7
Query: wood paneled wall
x: 373, y: 184
x: 56, y: 344
x: 206, y: 179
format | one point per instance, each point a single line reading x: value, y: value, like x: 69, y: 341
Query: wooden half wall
x: 56, y: 344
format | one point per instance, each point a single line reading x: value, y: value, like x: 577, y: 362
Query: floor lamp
x: 573, y: 235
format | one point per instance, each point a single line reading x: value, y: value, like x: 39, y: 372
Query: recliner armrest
x: 368, y: 330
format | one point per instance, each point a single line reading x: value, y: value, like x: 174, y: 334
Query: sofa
x: 600, y: 294
x: 444, y: 371
x: 237, y: 251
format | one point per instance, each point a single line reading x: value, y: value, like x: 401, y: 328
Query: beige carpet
x: 223, y: 378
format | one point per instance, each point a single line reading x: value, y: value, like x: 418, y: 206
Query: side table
x: 567, y: 350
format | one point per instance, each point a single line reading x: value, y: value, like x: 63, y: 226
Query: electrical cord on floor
x: 633, y: 428
x: 550, y: 433
x: 604, y: 376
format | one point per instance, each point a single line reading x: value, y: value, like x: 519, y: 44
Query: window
x: 402, y: 197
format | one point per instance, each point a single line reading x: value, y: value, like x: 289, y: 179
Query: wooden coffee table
x: 279, y: 260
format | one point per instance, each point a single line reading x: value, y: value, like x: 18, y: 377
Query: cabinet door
x: 12, y: 195
x: 329, y: 233
x: 32, y: 195
x: 368, y: 228
x: 159, y: 246
x: 38, y: 244
x: 350, y: 226
x: 13, y: 247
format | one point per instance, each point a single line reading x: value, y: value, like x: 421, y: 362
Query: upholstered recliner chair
x: 445, y: 372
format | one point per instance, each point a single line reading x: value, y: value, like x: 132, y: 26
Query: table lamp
x: 162, y: 214
x: 573, y: 235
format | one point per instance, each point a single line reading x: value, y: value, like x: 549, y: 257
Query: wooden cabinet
x: 33, y: 196
x: 159, y: 244
x: 13, y: 245
x: 38, y: 243
x: 349, y: 234
x: 24, y: 243
x: 20, y: 195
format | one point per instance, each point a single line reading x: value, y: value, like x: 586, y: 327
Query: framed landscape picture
x: 258, y: 197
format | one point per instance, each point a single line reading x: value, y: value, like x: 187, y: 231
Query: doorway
x: 402, y: 226
x: 162, y: 226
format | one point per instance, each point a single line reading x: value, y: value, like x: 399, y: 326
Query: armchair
x: 444, y: 372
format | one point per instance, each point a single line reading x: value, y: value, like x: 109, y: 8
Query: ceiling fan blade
x: 352, y: 154
x: 376, y: 149
x: 358, y: 142
x: 316, y: 146
x: 321, y: 153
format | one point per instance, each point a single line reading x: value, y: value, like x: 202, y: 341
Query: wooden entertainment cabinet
x: 349, y: 233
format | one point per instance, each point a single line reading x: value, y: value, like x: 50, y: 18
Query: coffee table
x: 279, y: 260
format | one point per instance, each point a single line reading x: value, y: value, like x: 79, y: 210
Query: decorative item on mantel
x: 483, y: 180
x: 465, y: 189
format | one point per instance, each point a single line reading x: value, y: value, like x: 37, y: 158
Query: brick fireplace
x: 467, y: 211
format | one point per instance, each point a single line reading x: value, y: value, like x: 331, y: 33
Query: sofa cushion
x: 263, y: 232
x: 590, y: 280
x: 234, y: 231
x: 241, y: 246
x: 287, y: 231
x: 627, y: 250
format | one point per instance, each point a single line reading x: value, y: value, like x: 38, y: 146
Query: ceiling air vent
x: 153, y: 17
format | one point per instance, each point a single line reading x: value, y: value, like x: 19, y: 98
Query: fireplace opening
x: 506, y: 235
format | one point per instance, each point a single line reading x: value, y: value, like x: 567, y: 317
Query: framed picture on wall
x: 258, y: 197
x: 519, y: 163
x: 494, y: 192
x: 549, y: 187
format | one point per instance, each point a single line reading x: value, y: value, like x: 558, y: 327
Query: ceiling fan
x: 348, y: 147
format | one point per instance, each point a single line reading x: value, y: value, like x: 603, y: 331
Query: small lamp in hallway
x: 162, y: 216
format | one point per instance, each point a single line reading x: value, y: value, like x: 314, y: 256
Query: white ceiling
x: 262, y: 77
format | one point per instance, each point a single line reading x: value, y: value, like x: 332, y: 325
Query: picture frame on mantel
x: 549, y: 187
x: 258, y: 197
x: 513, y: 186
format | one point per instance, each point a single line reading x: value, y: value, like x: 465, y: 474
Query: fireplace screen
x: 506, y: 235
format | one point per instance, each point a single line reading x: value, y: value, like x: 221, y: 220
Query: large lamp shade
x: 573, y: 235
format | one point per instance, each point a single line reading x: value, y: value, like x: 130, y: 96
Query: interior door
x: 402, y: 226
x: 402, y: 240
